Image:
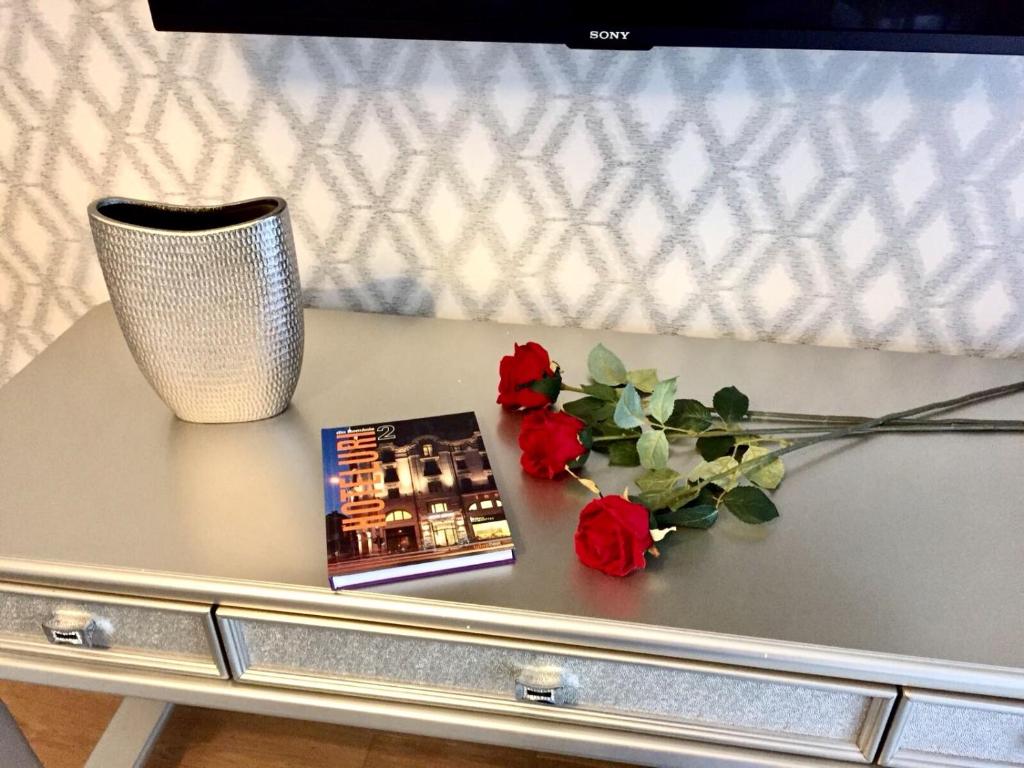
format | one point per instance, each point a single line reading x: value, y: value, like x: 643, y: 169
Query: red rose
x: 612, y: 536
x: 526, y: 379
x: 550, y: 440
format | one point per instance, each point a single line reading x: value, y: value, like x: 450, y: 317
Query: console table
x: 880, y: 619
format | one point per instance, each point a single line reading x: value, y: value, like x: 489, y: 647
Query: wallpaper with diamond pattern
x: 870, y: 199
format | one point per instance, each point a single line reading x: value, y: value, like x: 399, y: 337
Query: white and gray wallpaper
x: 844, y: 198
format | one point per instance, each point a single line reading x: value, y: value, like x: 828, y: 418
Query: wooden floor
x: 63, y: 726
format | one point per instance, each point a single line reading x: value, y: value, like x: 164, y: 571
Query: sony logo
x: 606, y: 35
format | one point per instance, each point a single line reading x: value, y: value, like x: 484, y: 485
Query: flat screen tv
x: 971, y: 26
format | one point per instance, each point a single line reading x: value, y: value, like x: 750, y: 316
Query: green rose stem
x: 819, y: 418
x: 859, y: 430
x: 923, y: 427
x: 920, y: 425
x: 775, y: 417
x: 803, y: 423
x: 907, y: 426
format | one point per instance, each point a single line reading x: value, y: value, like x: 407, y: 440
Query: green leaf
x: 579, y: 461
x: 769, y: 474
x: 690, y: 415
x: 590, y: 410
x: 709, y: 494
x: 702, y: 516
x: 629, y: 411
x: 587, y: 441
x: 623, y: 454
x: 610, y: 429
x: 750, y: 504
x: 662, y: 400
x: 549, y: 386
x: 605, y: 367
x: 653, y: 449
x: 671, y: 498
x: 707, y: 469
x: 658, y: 480
x: 711, y: 448
x: 652, y: 521
x: 731, y: 404
x: 645, y: 379
x: 601, y: 392
x: 652, y: 500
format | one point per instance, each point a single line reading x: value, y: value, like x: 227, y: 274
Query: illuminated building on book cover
x: 418, y: 493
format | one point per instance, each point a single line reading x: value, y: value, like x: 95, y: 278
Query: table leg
x: 130, y: 735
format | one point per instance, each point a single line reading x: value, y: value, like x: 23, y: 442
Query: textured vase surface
x: 209, y: 301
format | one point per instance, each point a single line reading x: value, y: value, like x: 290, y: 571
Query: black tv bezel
x: 190, y: 16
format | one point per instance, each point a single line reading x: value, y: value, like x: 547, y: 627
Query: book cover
x: 413, y: 498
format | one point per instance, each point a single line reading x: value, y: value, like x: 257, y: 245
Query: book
x: 407, y: 499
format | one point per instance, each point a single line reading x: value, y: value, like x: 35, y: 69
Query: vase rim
x: 171, y: 218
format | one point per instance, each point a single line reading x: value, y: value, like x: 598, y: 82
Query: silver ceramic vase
x: 208, y: 300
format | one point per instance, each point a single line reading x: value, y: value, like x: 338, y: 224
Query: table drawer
x: 643, y: 694
x: 933, y: 729
x: 108, y: 629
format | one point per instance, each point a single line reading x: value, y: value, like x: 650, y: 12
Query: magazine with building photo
x: 413, y: 498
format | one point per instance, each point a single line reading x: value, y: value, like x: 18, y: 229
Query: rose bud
x: 551, y: 440
x: 612, y: 536
x: 526, y: 378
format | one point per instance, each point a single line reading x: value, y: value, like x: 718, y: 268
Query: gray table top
x: 908, y: 545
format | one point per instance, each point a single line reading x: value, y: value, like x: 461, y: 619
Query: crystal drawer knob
x: 547, y: 685
x: 68, y: 627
